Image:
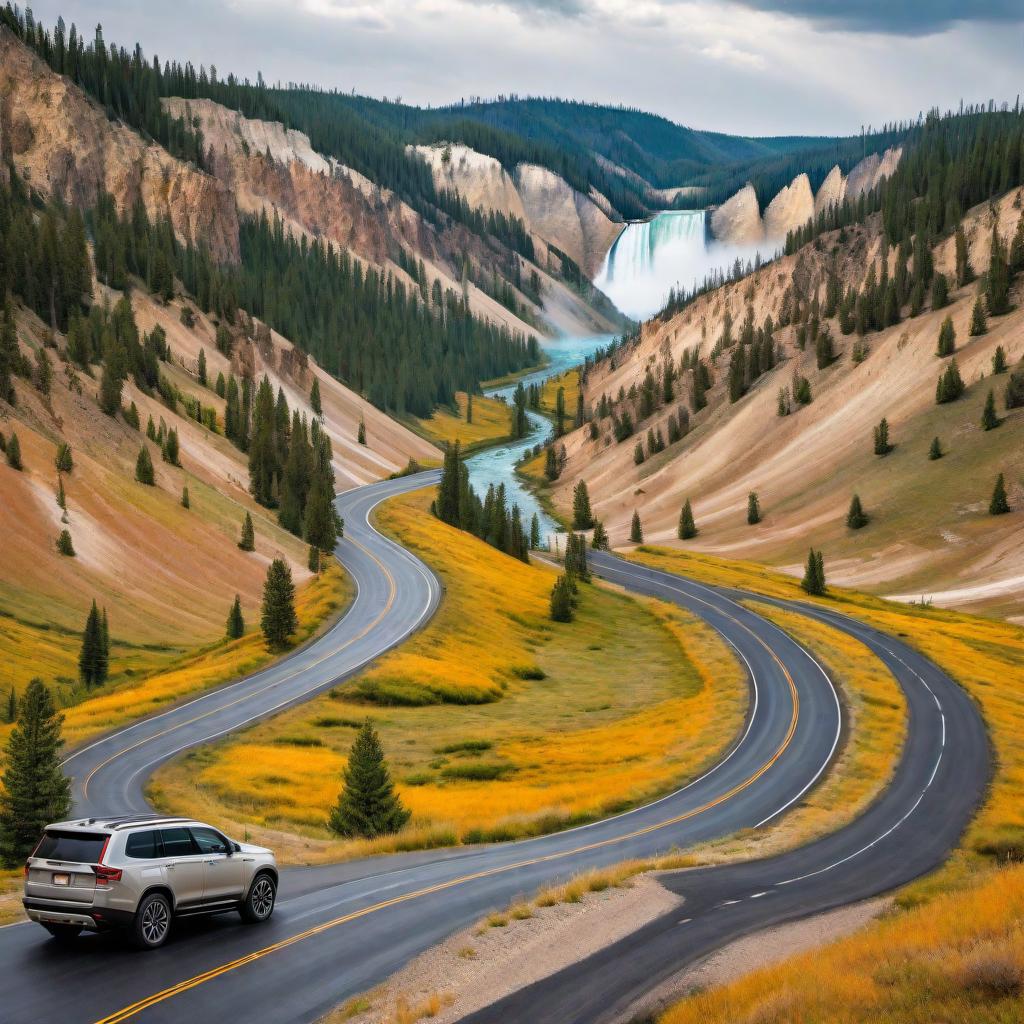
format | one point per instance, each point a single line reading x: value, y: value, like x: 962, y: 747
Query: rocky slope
x: 929, y: 534
x: 63, y: 145
x: 739, y: 221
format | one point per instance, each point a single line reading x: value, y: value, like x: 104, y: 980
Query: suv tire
x: 63, y: 933
x: 152, y: 922
x: 258, y: 904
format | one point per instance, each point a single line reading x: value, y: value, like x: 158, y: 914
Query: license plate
x: 61, y: 879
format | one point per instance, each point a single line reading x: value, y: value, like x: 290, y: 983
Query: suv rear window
x: 143, y: 845
x: 79, y: 847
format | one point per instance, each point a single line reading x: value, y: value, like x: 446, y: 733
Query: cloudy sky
x: 756, y: 67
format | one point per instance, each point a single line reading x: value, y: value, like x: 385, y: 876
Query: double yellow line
x: 216, y: 972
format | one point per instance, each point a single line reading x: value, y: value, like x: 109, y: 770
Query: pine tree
x: 14, y: 452
x: 171, y: 451
x: 638, y: 454
x: 997, y: 281
x: 599, y: 538
x: 314, y: 559
x: 935, y: 452
x: 201, y: 367
x: 753, y: 509
x: 636, y: 530
x: 576, y: 557
x: 989, y: 418
x: 947, y: 339
x: 534, y: 532
x: 64, y: 545
x: 93, y: 657
x: 144, y: 468
x: 687, y: 527
x: 35, y: 791
x: 856, y: 518
x: 881, y: 435
x: 551, y: 470
x: 368, y: 805
x: 814, y: 574
x: 582, y: 517
x: 236, y: 624
x: 361, y: 434
x: 964, y: 270
x: 63, y: 460
x: 824, y: 349
x: 999, y: 360
x: 314, y: 397
x: 278, y: 620
x: 999, y: 505
x: 979, y: 318
x: 940, y: 291
x: 950, y: 385
x: 10, y: 354
x: 247, y: 541
x: 186, y: 502
x: 561, y: 600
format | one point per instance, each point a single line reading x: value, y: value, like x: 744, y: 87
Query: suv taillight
x: 105, y: 875
x: 26, y: 870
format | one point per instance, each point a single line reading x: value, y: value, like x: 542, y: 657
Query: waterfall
x: 649, y: 258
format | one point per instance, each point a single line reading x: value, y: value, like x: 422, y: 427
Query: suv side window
x: 143, y: 845
x: 209, y: 841
x: 177, y: 842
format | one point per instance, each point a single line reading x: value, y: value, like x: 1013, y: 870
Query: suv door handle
x: 211, y: 862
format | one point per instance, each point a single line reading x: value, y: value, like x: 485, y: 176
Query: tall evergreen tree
x: 534, y: 532
x: 94, y: 655
x: 582, y: 517
x: 278, y: 620
x: 950, y: 385
x: 368, y: 805
x: 979, y: 318
x: 186, y: 501
x: 144, y: 467
x: 856, y: 518
x: 599, y: 538
x: 997, y: 281
x: 687, y: 528
x: 935, y: 452
x: 64, y: 461
x: 314, y: 397
x: 560, y: 609
x: 882, y: 445
x: 247, y: 541
x: 999, y: 360
x: 814, y: 574
x: 999, y: 505
x: 947, y: 339
x: 236, y: 623
x: 636, y: 530
x: 35, y: 791
x: 65, y: 545
x: 989, y: 417
x: 13, y: 452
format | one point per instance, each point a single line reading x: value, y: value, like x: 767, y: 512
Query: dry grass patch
x: 492, y: 422
x: 626, y: 702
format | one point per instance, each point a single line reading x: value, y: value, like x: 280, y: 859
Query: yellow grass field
x: 551, y: 725
x: 958, y: 931
x: 570, y: 381
x: 492, y: 422
x: 145, y: 681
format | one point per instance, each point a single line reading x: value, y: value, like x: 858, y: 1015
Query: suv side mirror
x: 235, y: 848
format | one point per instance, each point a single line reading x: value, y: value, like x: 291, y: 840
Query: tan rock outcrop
x: 738, y: 219
x: 832, y: 191
x: 63, y: 144
x: 792, y: 207
x: 479, y: 179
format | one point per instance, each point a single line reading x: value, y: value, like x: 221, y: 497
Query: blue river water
x: 497, y: 465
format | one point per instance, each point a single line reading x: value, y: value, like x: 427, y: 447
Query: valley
x: 564, y: 551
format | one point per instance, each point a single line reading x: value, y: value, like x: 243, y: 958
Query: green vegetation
x: 278, y: 619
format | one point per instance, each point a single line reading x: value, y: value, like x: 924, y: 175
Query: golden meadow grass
x: 155, y: 680
x: 512, y: 724
x: 966, y: 915
x: 492, y: 421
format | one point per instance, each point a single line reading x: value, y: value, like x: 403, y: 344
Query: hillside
x: 930, y: 535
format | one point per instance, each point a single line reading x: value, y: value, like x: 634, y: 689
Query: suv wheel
x: 152, y: 922
x: 259, y: 903
x: 63, y: 933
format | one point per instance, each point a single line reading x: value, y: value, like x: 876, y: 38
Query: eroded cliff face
x: 62, y: 144
x: 479, y: 179
x: 738, y: 220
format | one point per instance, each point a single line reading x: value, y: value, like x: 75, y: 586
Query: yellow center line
x: 199, y: 979
x: 252, y: 693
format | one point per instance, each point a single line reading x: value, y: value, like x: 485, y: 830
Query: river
x: 497, y: 465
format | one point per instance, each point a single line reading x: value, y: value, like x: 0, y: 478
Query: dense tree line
x: 491, y: 519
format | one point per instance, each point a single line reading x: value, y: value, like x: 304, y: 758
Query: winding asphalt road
x: 340, y: 930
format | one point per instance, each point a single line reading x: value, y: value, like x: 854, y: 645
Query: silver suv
x: 139, y: 872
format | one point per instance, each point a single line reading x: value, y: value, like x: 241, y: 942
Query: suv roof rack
x: 145, y: 819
